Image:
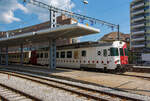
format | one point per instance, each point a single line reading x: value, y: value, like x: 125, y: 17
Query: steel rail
x: 19, y: 92
x: 73, y: 85
x: 3, y: 98
x: 130, y: 75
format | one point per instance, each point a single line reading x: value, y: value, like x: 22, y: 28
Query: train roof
x: 84, y: 45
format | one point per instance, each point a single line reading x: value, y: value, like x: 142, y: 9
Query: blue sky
x: 114, y: 11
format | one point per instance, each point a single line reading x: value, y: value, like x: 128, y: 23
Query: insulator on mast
x: 85, y: 2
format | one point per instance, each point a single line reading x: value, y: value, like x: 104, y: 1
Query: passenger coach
x: 107, y: 56
x: 100, y: 55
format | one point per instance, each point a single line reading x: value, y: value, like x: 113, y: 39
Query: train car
x: 96, y: 55
x: 106, y: 56
x: 14, y: 57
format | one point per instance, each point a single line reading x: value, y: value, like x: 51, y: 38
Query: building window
x: 69, y: 54
x: 83, y: 53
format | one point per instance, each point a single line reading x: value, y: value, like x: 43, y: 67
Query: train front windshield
x: 123, y: 52
x: 126, y: 51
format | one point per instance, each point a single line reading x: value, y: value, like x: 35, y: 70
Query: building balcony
x: 138, y: 33
x: 135, y: 1
x: 138, y: 39
x: 137, y: 12
x: 138, y: 46
x: 138, y: 25
x: 138, y: 19
x: 138, y: 5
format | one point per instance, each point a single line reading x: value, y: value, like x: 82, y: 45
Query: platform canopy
x: 64, y: 31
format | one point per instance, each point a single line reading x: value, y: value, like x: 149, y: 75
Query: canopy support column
x: 6, y: 56
x: 21, y: 56
x: 0, y: 56
x: 52, y: 54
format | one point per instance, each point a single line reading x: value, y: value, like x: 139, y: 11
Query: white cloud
x: 43, y: 14
x: 7, y: 8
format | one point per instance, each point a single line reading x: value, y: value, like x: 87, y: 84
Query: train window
x: 121, y: 52
x: 83, y: 53
x: 38, y: 55
x: 57, y: 54
x: 46, y: 55
x: 25, y: 55
x: 114, y: 52
x: 62, y: 54
x: 99, y: 53
x: 41, y: 56
x: 108, y: 52
x: 126, y: 51
x: 69, y: 54
x: 105, y: 52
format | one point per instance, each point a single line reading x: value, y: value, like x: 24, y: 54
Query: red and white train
x: 106, y: 56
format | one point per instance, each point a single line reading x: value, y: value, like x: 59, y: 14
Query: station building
x: 140, y: 30
x: 113, y: 36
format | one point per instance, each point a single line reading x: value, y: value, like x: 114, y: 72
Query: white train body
x: 88, y: 55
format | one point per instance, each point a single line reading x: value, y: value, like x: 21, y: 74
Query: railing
x: 138, y: 46
x: 138, y: 39
x: 137, y: 12
x: 138, y: 25
x: 138, y: 32
x: 138, y: 5
x: 138, y: 19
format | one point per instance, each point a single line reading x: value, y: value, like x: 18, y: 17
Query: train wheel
x: 82, y: 68
x: 105, y: 70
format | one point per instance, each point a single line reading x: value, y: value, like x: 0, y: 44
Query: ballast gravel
x: 109, y: 90
x: 43, y: 92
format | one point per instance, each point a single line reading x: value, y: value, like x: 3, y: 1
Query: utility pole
x: 118, y: 28
x: 85, y: 2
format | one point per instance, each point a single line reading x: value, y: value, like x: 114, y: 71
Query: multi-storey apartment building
x: 140, y: 28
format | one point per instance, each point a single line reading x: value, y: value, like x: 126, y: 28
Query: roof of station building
x: 64, y: 31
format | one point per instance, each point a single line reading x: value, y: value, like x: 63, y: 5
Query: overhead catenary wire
x: 76, y: 15
x: 73, y: 15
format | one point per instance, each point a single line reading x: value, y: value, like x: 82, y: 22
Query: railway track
x: 10, y: 94
x: 83, y: 91
x: 142, y: 77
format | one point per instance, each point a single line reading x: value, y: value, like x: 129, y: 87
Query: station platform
x: 144, y: 69
x: 121, y: 82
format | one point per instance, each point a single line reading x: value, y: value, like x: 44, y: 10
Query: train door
x: 109, y: 59
x: 33, y: 57
x: 124, y: 55
x: 76, y: 59
x: 99, y: 59
x: 40, y: 57
x: 105, y: 58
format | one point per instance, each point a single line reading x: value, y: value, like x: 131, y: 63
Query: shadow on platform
x: 33, y: 68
